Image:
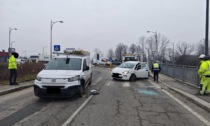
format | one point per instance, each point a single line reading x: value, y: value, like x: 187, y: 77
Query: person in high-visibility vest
x: 12, y: 66
x: 204, y: 73
x: 156, y: 69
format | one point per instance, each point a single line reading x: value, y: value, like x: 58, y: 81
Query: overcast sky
x: 102, y: 24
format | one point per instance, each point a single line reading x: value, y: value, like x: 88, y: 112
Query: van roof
x: 70, y: 56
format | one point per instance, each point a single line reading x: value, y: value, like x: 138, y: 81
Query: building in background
x: 4, y: 56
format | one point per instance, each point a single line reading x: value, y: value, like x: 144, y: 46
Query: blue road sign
x: 110, y: 60
x: 57, y: 47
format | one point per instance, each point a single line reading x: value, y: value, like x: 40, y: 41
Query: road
x: 119, y: 103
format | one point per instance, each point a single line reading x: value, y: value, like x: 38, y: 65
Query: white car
x: 64, y: 76
x: 131, y: 70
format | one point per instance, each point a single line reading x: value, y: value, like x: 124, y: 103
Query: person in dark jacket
x: 156, y: 69
x: 12, y: 66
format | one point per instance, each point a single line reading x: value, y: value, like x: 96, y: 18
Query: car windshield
x: 64, y: 64
x: 127, y: 65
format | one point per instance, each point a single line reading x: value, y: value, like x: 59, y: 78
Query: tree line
x: 160, y: 48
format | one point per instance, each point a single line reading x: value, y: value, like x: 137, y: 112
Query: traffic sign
x: 57, y: 48
x: 110, y: 60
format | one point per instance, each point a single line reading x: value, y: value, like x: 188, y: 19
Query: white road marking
x: 185, y: 106
x: 110, y: 84
x: 155, y: 85
x: 99, y: 79
x: 126, y: 84
x: 69, y: 120
x: 189, y: 109
x: 72, y: 117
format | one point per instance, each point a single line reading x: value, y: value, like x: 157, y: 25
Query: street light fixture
x: 10, y: 30
x: 11, y: 43
x: 51, y: 27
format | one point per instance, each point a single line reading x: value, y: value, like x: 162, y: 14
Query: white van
x: 64, y: 76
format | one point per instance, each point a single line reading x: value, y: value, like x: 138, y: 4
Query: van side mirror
x: 87, y: 67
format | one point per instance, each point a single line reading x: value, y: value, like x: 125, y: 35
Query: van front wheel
x: 81, y: 90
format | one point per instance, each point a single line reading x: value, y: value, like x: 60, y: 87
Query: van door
x: 85, y: 71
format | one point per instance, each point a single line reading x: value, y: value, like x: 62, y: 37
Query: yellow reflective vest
x: 156, y: 65
x: 12, y: 62
x: 204, y: 69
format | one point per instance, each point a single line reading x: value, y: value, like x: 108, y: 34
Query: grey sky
x: 102, y: 24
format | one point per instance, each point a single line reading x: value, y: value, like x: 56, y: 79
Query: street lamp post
x: 207, y: 28
x: 10, y: 30
x: 51, y: 27
x: 173, y: 51
x: 11, y: 43
x: 43, y: 49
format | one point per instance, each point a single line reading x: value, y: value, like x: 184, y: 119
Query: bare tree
x: 120, y: 49
x: 110, y: 53
x: 184, y: 48
x: 133, y: 48
x: 157, y: 48
x: 163, y: 44
x: 142, y: 47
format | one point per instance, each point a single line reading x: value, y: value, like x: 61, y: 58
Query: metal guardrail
x: 184, y: 73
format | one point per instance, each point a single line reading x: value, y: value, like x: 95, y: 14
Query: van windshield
x: 64, y: 64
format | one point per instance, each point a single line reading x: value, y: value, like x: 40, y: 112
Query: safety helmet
x: 202, y: 56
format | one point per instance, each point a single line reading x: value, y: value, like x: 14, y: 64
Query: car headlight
x: 38, y: 78
x: 75, y: 78
x: 125, y: 72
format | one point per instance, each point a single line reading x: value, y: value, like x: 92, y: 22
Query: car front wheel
x: 132, y: 78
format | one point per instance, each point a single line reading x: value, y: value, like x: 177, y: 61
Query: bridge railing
x: 184, y: 73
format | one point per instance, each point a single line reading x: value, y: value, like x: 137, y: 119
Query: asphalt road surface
x: 119, y: 103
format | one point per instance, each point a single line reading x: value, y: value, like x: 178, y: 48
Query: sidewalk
x: 5, y: 89
x: 187, y: 90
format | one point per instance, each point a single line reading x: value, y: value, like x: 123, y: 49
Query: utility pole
x: 207, y: 28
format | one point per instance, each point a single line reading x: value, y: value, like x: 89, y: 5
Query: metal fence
x: 184, y: 73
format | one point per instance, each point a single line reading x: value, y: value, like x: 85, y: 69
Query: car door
x: 144, y: 70
x: 137, y: 72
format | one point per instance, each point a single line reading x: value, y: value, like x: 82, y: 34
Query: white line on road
x: 110, y: 84
x: 155, y: 85
x: 185, y: 106
x: 99, y: 79
x: 126, y: 84
x: 69, y: 120
x: 189, y: 109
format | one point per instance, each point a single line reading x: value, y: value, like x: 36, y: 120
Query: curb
x: 198, y: 101
x: 7, y: 91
